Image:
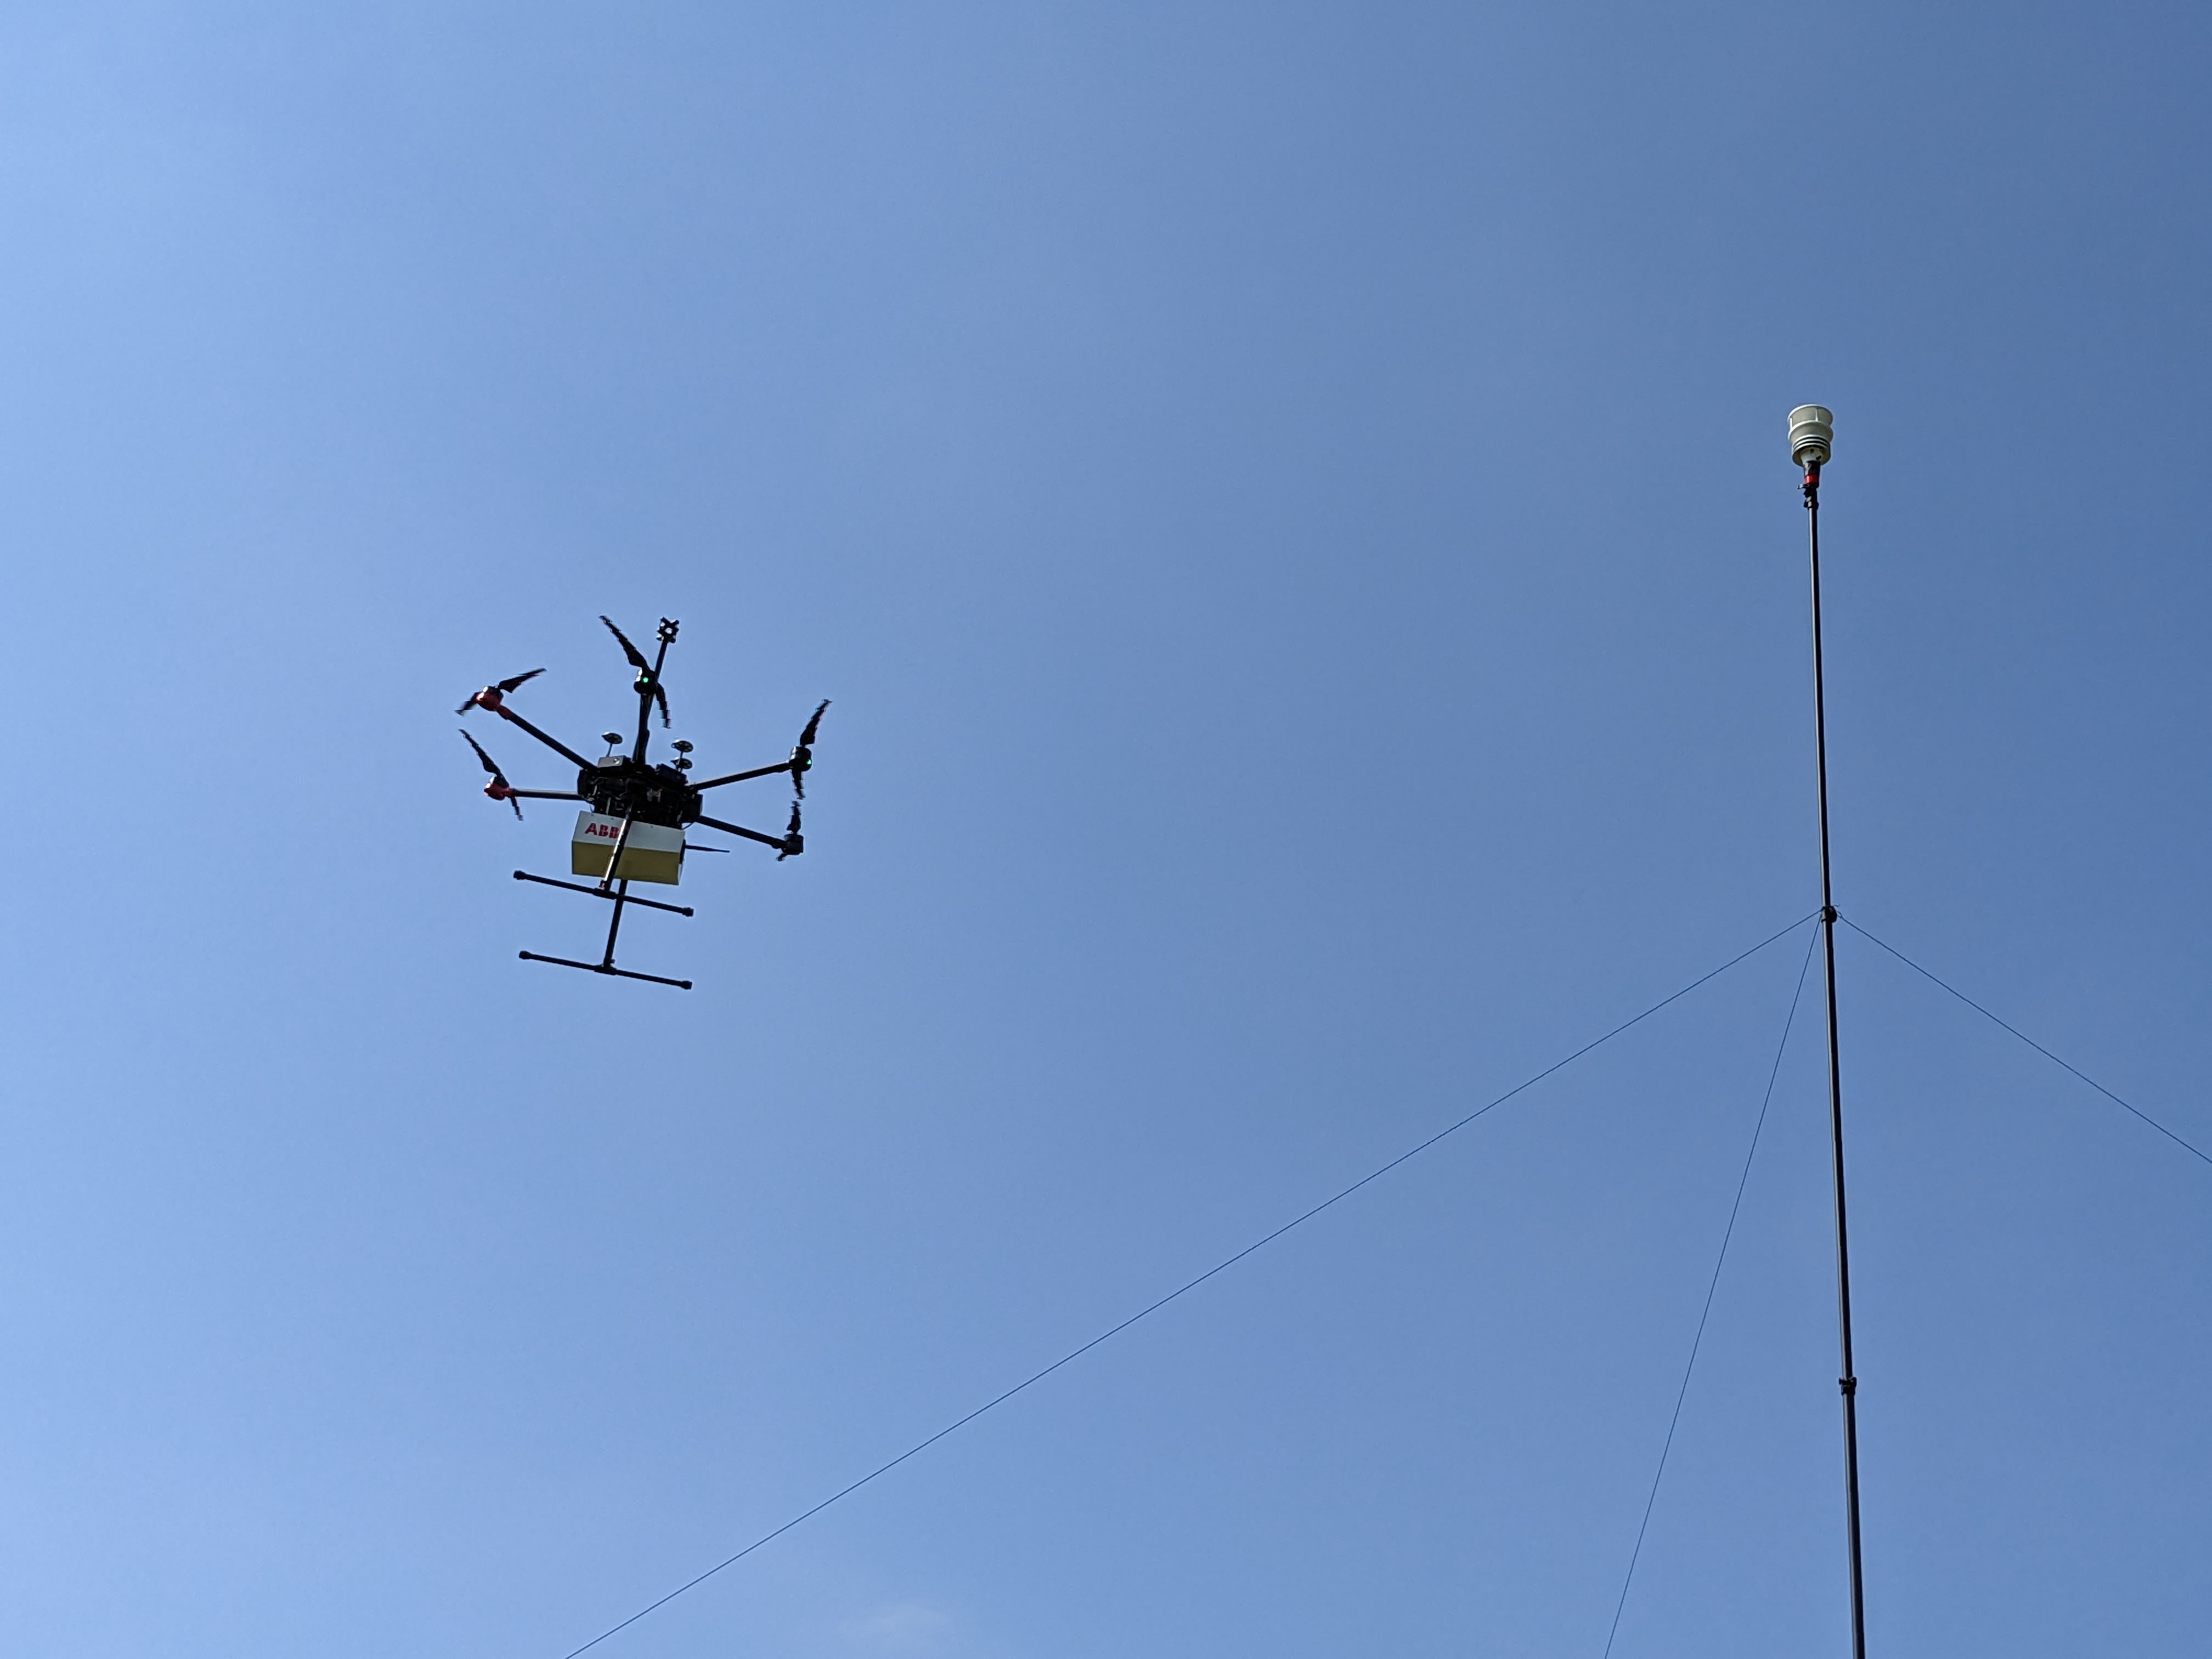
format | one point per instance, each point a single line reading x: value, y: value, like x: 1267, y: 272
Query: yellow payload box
x: 653, y: 852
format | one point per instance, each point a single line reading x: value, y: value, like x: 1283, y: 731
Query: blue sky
x: 1291, y: 504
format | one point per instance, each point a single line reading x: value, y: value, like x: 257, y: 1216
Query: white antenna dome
x: 1812, y: 430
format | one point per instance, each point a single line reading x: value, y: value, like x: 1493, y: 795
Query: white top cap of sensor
x: 1812, y: 430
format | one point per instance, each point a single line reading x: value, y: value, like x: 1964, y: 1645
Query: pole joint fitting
x: 1848, y: 1384
x: 1828, y: 914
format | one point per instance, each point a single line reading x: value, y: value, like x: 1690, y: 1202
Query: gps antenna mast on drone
x: 1812, y: 431
x: 635, y: 814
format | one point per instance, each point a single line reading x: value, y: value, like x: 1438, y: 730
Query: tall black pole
x: 1810, y: 435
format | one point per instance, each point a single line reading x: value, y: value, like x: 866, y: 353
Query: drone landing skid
x: 597, y: 892
x: 602, y: 967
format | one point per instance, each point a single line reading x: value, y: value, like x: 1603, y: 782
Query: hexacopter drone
x: 634, y: 815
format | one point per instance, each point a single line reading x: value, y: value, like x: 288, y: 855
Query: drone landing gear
x: 604, y: 968
x: 619, y: 898
x: 599, y: 892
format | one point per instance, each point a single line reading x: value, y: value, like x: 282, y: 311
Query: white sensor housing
x: 1812, y: 430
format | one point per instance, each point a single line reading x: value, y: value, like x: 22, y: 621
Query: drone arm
x: 736, y: 830
x: 544, y: 794
x: 739, y: 777
x: 554, y: 744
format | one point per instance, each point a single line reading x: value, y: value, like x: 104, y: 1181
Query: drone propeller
x: 498, y: 788
x: 793, y: 842
x: 802, y: 757
x: 501, y: 689
x: 636, y: 657
x: 646, y: 679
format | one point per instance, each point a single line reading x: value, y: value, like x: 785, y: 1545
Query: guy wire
x: 1713, y: 1285
x: 1183, y: 1289
x: 2023, y: 1037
